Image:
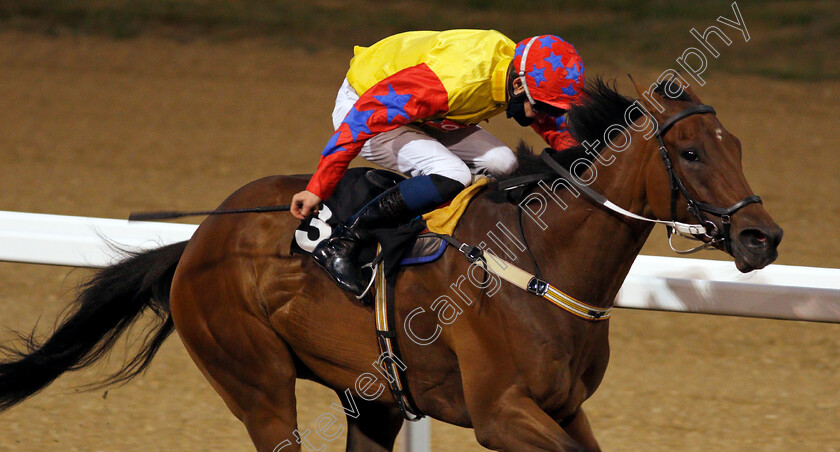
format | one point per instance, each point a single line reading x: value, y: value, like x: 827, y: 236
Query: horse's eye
x: 690, y: 155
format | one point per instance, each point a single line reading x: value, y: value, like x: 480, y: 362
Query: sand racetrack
x: 96, y: 127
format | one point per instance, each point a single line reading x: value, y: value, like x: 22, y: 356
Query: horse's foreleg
x: 375, y: 429
x: 578, y: 428
x: 514, y: 422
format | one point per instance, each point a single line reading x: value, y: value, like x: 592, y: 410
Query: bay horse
x: 506, y: 363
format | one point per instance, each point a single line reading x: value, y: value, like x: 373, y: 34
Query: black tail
x: 106, y: 306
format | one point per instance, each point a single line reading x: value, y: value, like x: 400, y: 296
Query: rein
x: 705, y: 227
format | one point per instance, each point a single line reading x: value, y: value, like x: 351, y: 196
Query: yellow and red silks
x: 456, y: 76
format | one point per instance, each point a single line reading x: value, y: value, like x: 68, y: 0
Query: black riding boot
x: 338, y: 254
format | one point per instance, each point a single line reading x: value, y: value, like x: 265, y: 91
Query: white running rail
x: 658, y: 283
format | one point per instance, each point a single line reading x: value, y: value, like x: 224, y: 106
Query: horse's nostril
x: 754, y: 238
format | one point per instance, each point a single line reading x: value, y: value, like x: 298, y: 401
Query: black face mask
x: 516, y: 110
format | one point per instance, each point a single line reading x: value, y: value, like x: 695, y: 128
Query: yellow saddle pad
x: 444, y: 220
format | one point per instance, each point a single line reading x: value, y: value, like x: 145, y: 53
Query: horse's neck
x: 587, y: 250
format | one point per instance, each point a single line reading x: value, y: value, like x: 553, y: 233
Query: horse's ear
x: 656, y: 107
x: 636, y: 86
x: 686, y: 87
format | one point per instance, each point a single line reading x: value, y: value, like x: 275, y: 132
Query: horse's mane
x: 602, y: 107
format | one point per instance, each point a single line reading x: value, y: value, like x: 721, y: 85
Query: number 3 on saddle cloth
x: 404, y: 245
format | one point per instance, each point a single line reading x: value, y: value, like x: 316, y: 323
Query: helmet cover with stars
x: 550, y: 69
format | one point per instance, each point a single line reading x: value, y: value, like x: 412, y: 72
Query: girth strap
x: 386, y: 335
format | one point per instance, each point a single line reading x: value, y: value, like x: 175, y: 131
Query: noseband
x: 695, y: 207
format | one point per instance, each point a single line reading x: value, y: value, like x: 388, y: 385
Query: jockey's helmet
x: 550, y: 70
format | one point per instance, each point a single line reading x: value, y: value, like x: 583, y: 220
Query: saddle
x: 416, y: 243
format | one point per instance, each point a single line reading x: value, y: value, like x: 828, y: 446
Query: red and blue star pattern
x: 554, y: 131
x: 411, y: 94
x: 554, y: 71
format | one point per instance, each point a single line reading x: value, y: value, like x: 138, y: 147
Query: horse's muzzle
x: 755, y: 247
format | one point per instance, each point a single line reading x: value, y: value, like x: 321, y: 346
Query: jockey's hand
x: 304, y: 203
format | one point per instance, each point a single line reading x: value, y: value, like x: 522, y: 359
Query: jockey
x: 412, y: 103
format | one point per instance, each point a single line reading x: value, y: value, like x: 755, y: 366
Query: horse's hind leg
x: 245, y: 362
x: 375, y: 428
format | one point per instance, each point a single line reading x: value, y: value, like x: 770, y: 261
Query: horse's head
x: 707, y: 182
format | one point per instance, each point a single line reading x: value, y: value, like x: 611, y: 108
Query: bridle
x: 695, y: 207
x: 705, y: 228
